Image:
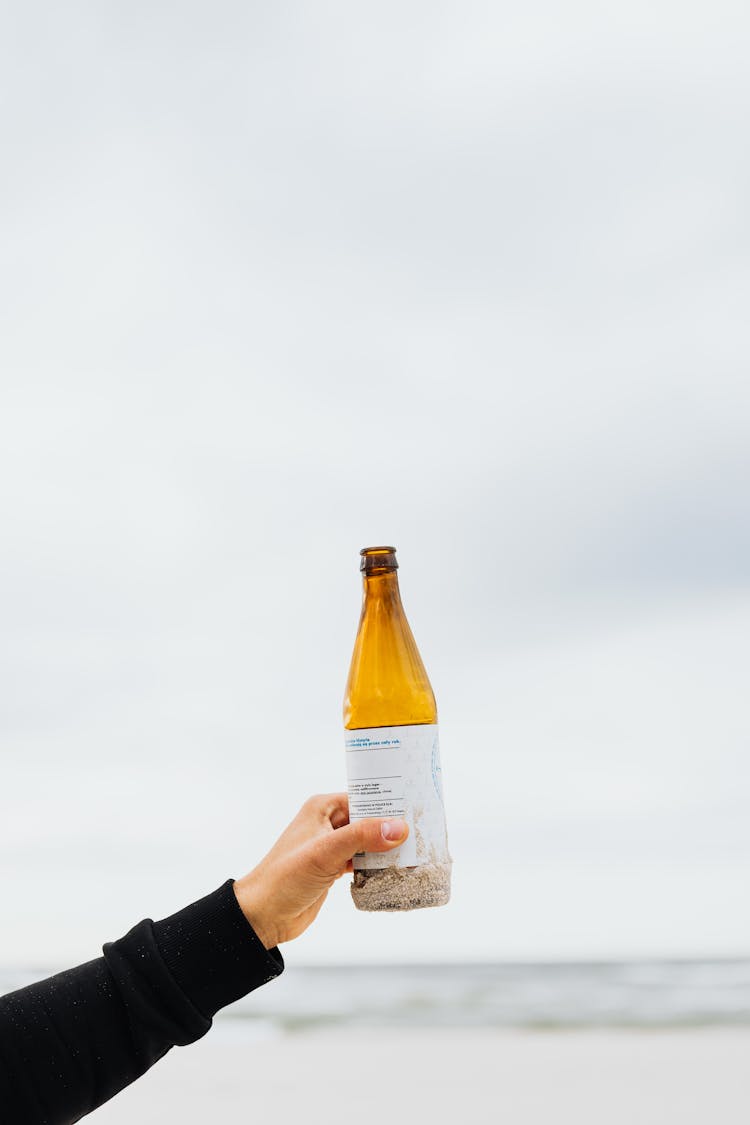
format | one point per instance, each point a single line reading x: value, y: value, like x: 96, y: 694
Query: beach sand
x: 435, y: 1077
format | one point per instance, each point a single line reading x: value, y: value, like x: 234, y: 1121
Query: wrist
x: 249, y: 903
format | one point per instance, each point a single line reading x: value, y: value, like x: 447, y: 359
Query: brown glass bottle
x: 392, y: 752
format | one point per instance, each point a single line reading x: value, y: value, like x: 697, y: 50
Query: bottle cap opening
x: 376, y: 560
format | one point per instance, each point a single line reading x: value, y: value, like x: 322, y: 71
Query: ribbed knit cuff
x: 213, y: 952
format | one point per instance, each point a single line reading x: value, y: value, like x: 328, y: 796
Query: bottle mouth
x: 377, y: 560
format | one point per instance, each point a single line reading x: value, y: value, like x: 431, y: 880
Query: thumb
x: 370, y: 835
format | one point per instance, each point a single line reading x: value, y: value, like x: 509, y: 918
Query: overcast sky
x: 278, y: 282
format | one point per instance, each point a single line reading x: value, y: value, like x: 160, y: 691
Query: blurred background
x: 279, y: 282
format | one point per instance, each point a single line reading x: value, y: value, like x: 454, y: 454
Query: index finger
x: 333, y: 807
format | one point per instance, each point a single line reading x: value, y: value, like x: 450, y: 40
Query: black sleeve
x: 70, y: 1042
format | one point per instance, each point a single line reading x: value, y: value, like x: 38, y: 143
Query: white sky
x: 276, y: 284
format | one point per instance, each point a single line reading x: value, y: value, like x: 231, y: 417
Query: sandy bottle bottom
x: 402, y: 888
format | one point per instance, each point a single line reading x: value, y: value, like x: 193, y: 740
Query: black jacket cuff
x: 213, y: 952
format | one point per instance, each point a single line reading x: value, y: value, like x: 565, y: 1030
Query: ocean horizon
x: 504, y: 995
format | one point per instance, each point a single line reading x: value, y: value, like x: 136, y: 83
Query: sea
x: 616, y: 994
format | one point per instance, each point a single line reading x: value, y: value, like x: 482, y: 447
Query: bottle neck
x: 382, y: 586
x: 388, y: 684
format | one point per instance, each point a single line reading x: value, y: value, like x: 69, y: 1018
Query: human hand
x: 284, y: 893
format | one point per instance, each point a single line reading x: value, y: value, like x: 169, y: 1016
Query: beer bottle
x: 392, y: 754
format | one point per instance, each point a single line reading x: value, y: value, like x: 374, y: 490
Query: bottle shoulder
x: 395, y: 712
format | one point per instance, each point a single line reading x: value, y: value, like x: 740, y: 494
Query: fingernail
x: 393, y: 829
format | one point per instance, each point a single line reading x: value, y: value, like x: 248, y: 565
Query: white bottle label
x: 395, y: 772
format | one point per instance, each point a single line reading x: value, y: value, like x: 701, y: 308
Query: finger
x: 333, y: 807
x: 332, y: 851
x: 339, y: 817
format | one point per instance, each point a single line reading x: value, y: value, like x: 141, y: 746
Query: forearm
x: 70, y: 1042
